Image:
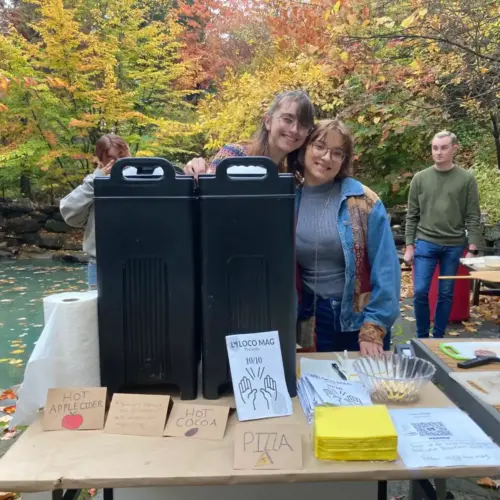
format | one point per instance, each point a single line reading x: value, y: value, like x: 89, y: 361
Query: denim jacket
x: 372, y: 272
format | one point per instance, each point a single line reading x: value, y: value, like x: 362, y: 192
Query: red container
x: 460, y: 309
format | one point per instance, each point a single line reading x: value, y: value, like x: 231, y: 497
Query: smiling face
x: 286, y: 133
x: 323, y: 158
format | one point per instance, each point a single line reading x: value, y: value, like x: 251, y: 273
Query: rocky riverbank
x: 30, y: 230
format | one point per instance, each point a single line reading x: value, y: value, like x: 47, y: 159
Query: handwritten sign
x: 258, y: 377
x: 74, y: 409
x: 197, y: 421
x: 137, y: 414
x: 267, y: 447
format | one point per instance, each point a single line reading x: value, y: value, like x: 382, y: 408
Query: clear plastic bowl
x: 392, y: 377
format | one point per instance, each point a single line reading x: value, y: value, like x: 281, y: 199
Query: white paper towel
x: 65, y: 355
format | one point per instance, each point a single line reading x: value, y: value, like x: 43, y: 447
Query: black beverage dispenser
x: 247, y: 228
x: 146, y: 258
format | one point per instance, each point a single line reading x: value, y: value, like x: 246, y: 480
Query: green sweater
x: 441, y: 206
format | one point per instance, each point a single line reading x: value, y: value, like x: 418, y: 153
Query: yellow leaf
x: 344, y: 56
x: 361, y: 119
x: 376, y: 119
x: 416, y: 66
x: 17, y: 351
x: 453, y: 333
x: 366, y: 22
x: 336, y: 7
x: 422, y: 13
x: 406, y: 23
x: 484, y: 70
x: 352, y: 19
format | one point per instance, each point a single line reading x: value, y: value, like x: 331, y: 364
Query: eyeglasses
x: 288, y: 122
x: 337, y: 155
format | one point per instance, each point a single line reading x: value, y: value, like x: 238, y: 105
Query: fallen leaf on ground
x: 454, y: 333
x: 488, y: 482
x: 8, y: 394
x: 8, y: 409
x: 409, y: 318
x: 5, y: 419
x: 8, y: 435
x: 470, y: 329
x: 17, y: 351
x: 4, y: 495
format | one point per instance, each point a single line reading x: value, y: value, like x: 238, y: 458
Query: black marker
x: 335, y: 366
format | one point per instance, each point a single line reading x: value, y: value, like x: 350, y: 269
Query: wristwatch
x: 474, y: 252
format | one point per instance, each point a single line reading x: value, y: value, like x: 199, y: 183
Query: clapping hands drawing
x: 269, y: 392
x: 249, y: 393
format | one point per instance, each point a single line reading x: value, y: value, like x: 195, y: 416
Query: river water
x: 23, y: 285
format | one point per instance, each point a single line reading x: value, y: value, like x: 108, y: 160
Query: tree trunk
x: 496, y: 136
x: 25, y: 185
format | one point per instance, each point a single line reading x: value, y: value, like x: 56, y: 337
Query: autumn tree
x: 460, y: 39
x: 380, y: 96
x: 90, y: 69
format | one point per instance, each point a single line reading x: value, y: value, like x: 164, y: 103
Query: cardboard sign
x: 267, y: 447
x: 197, y: 421
x: 137, y: 414
x: 74, y: 409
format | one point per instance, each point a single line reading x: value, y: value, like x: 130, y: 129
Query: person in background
x: 443, y: 214
x: 77, y: 208
x: 349, y: 275
x: 282, y: 131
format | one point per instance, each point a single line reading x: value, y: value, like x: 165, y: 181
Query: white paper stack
x: 314, y: 390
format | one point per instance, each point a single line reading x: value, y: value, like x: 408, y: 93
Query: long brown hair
x: 319, y: 132
x: 259, y: 144
x: 108, y: 141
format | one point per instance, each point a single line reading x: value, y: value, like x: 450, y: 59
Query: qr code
x: 431, y: 429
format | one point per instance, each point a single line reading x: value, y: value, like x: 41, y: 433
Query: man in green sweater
x: 443, y: 217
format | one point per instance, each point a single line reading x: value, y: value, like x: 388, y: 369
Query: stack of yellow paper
x: 354, y: 433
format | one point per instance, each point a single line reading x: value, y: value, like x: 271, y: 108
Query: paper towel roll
x: 65, y: 355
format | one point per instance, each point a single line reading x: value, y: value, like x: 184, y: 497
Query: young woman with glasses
x: 282, y: 132
x: 348, y: 268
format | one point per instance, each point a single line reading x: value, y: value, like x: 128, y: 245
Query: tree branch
x: 406, y: 36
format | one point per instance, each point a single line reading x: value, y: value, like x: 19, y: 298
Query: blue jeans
x: 329, y: 334
x: 92, y: 275
x: 427, y: 257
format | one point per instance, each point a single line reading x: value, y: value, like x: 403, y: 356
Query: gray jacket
x: 77, y: 208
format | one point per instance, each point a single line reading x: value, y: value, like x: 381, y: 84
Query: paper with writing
x: 258, y: 376
x: 137, y: 414
x: 339, y: 392
x: 74, y: 408
x: 197, y: 421
x: 267, y: 447
x: 442, y: 437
